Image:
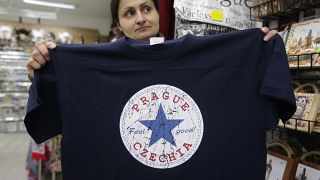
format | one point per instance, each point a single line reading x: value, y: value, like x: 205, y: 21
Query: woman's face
x: 138, y: 19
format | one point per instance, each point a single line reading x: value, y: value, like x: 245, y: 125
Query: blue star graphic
x: 161, y: 127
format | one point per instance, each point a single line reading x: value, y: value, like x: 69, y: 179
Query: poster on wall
x: 229, y: 13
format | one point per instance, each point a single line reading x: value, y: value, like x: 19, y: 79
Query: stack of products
x: 14, y: 86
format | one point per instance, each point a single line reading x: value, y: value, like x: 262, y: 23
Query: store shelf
x: 14, y: 87
x: 299, y: 142
x: 10, y: 119
x: 305, y: 66
x: 308, y: 125
x: 15, y: 53
x: 304, y: 61
x: 12, y: 126
x: 301, y: 135
x: 273, y: 9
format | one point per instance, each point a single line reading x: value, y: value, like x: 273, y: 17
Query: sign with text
x: 230, y: 13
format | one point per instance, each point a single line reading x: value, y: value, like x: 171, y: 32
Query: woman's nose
x: 140, y: 18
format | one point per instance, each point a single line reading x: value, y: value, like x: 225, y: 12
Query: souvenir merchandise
x: 269, y: 8
x: 50, y: 37
x: 278, y: 166
x: 316, y: 127
x: 307, y: 170
x: 309, y: 14
x: 303, y: 42
x: 158, y: 111
x: 6, y: 32
x: 23, y: 34
x: 13, y: 105
x: 64, y: 38
x: 14, y: 87
x: 307, y: 108
x: 37, y: 35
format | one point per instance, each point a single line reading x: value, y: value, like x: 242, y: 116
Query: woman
x: 136, y: 19
x: 124, y: 111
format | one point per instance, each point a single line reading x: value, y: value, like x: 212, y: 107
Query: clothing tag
x: 216, y: 15
x: 156, y: 40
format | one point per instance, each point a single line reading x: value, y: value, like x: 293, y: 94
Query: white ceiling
x: 93, y: 14
x: 88, y: 8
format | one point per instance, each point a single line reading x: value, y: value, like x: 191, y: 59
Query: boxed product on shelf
x: 6, y: 32
x: 309, y: 14
x: 12, y: 62
x: 267, y: 9
x: 11, y: 126
x: 14, y: 53
x: 306, y: 170
x: 316, y: 127
x: 13, y: 72
x: 283, y: 165
x: 306, y: 113
x: 2, y: 126
x: 13, y: 86
x: 21, y: 126
x: 304, y: 43
x: 12, y: 112
x: 18, y: 99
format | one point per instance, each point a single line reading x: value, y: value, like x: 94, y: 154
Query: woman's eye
x: 146, y: 9
x: 128, y: 13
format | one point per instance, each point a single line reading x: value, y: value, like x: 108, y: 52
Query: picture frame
x: 275, y: 6
x: 306, y: 113
x: 278, y: 166
x: 303, y: 43
x: 305, y: 170
x: 316, y: 126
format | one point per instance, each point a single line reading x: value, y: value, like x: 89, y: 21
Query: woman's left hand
x: 267, y: 33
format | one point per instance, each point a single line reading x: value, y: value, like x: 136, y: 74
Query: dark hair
x: 115, y: 7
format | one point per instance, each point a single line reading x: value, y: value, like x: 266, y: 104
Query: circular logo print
x: 161, y: 126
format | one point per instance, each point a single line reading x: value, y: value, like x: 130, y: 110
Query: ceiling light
x: 28, y: 13
x: 51, y: 4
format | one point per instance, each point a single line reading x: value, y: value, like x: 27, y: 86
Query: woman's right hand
x: 39, y: 57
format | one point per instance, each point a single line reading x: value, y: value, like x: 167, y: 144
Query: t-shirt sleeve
x: 276, y: 84
x: 43, y: 117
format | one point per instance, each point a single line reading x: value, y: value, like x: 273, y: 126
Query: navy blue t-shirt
x: 191, y: 108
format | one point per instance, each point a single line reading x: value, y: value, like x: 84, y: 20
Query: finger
x: 30, y: 75
x: 265, y: 30
x: 32, y: 65
x: 270, y: 35
x: 41, y: 47
x: 37, y: 56
x: 51, y: 45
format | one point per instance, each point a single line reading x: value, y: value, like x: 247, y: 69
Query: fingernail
x: 51, y: 45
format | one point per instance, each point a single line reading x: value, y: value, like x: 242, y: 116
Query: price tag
x: 216, y: 15
x: 156, y: 40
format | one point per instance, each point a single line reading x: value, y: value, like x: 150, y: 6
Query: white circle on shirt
x: 161, y: 126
